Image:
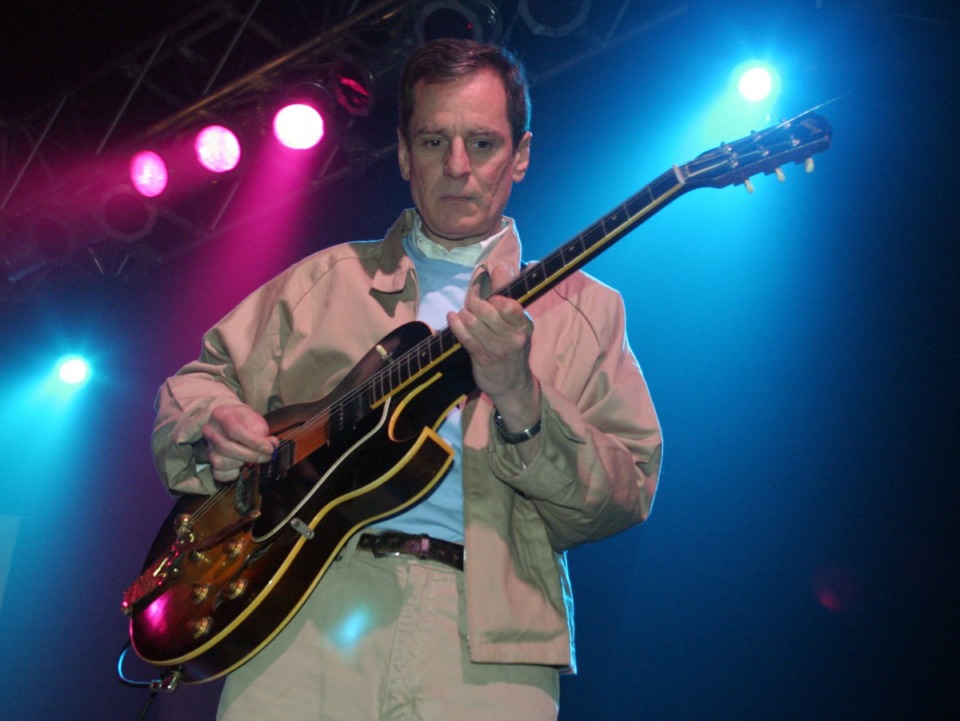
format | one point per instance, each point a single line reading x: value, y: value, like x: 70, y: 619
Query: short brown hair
x: 450, y: 59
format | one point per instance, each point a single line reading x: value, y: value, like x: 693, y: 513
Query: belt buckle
x: 394, y: 544
x: 378, y: 550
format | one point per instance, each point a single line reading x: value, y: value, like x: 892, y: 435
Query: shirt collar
x: 467, y: 255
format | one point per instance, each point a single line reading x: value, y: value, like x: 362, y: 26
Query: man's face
x: 460, y: 161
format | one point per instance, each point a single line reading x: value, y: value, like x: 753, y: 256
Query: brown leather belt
x: 393, y: 543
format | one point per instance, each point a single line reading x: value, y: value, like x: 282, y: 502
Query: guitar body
x: 220, y: 583
x: 228, y: 572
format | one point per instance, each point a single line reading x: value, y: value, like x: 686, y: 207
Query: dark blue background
x: 801, y: 344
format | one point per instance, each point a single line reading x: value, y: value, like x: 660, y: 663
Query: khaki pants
x: 384, y: 639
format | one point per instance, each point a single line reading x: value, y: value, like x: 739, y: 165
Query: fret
x: 394, y: 376
x: 614, y: 220
x: 640, y: 201
x: 444, y: 341
x: 553, y: 263
x: 405, y: 369
x: 535, y: 275
x: 376, y: 387
x: 425, y: 354
x: 592, y: 235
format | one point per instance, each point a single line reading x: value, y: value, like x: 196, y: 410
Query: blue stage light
x: 73, y: 370
x: 757, y: 81
x: 755, y: 84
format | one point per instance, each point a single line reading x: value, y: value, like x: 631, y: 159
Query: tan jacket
x: 295, y: 338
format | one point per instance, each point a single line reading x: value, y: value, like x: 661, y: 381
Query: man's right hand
x: 236, y: 435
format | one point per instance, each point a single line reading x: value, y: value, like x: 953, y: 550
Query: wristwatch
x: 513, y: 438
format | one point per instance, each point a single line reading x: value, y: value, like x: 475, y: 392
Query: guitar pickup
x: 279, y: 464
x: 248, y: 484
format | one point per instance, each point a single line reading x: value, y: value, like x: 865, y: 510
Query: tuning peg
x: 748, y: 185
x: 780, y: 176
x: 808, y: 165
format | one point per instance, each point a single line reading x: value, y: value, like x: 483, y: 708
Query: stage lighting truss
x: 31, y: 242
x: 231, y: 63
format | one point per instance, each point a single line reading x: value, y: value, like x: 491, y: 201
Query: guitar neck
x: 537, y: 278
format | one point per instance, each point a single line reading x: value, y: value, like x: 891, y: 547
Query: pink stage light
x: 217, y: 149
x: 298, y: 126
x: 148, y: 173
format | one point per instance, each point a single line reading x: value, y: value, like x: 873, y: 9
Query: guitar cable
x: 168, y: 683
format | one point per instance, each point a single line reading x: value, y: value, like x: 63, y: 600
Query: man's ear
x: 521, y: 159
x: 403, y: 155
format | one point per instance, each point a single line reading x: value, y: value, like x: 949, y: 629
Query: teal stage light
x: 73, y: 370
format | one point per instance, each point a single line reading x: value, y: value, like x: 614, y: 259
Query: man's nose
x: 457, y: 162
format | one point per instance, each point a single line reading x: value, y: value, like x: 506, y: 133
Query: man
x: 558, y: 445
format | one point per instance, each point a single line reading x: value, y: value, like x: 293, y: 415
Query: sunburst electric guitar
x: 227, y: 572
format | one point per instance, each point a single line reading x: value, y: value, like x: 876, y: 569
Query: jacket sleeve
x: 237, y: 364
x: 597, y: 470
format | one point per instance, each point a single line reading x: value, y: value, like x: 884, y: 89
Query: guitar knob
x: 748, y: 185
x: 236, y: 588
x: 780, y: 176
x: 234, y: 547
x: 200, y: 627
x: 808, y: 165
x: 200, y: 592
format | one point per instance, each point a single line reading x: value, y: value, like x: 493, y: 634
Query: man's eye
x: 432, y: 142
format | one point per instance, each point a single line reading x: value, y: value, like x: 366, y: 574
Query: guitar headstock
x: 762, y: 151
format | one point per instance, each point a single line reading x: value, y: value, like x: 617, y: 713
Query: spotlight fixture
x: 757, y: 81
x: 73, y: 370
x: 217, y: 148
x: 298, y: 126
x: 304, y: 115
x: 464, y: 19
x: 148, y: 173
x: 125, y: 214
x: 549, y: 18
x: 353, y: 85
